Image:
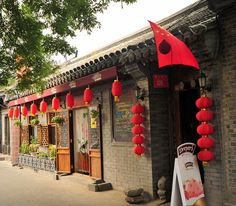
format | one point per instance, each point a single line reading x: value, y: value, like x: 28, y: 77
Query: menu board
x: 122, y: 115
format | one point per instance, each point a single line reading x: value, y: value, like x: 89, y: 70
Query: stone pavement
x: 25, y: 187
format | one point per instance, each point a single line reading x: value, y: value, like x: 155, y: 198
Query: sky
x: 118, y: 22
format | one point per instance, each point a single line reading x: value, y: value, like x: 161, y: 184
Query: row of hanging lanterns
x: 138, y: 129
x: 88, y: 97
x: 205, y: 129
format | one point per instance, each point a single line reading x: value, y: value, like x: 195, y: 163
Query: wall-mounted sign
x: 160, y: 81
x: 187, y: 188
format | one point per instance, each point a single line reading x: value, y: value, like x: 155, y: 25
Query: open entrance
x: 184, y: 118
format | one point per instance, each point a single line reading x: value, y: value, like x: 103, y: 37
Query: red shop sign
x: 160, y: 81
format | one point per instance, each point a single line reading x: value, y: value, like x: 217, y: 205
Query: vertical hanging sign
x: 160, y: 81
x: 187, y: 188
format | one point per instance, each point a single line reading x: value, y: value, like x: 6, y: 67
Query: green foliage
x: 83, y: 145
x: 36, y: 30
x: 24, y: 148
x: 94, y: 113
x: 58, y: 119
x: 52, y: 151
x: 17, y: 123
x: 34, y: 146
x: 33, y: 140
x: 34, y: 122
x: 42, y: 154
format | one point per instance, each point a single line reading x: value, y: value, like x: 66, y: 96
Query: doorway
x: 87, y: 141
x: 81, y: 132
x: 185, y: 122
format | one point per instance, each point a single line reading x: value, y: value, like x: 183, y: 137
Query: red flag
x: 171, y: 50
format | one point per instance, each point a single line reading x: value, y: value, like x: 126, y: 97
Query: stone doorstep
x: 99, y: 187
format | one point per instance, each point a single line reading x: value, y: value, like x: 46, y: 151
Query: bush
x: 24, y: 148
x: 52, y: 151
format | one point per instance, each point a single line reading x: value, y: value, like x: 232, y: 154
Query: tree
x: 31, y: 31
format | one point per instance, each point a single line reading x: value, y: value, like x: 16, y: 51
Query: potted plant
x: 58, y: 119
x: 83, y: 145
x: 94, y: 113
x: 17, y: 123
x: 34, y: 121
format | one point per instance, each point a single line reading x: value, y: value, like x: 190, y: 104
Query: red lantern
x: 16, y: 112
x: 10, y: 113
x: 204, y: 102
x: 24, y: 111
x: 69, y: 100
x: 205, y: 129
x: 137, y: 129
x: 88, y: 95
x: 33, y: 109
x: 205, y: 155
x: 205, y: 142
x: 138, y: 139
x: 43, y: 106
x: 138, y: 150
x: 137, y: 108
x: 137, y: 119
x: 55, y: 103
x: 204, y: 116
x: 116, y: 90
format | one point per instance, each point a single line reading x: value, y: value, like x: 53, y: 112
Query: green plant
x: 34, y: 121
x: 33, y: 140
x: 85, y: 114
x: 42, y: 154
x: 58, y: 119
x: 83, y: 145
x: 24, y: 148
x: 52, y: 151
x: 17, y: 123
x: 34, y: 146
x: 94, y: 113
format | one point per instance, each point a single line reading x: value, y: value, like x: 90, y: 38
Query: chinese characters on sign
x: 160, y: 81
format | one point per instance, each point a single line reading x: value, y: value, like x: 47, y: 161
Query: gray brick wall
x: 121, y: 166
x: 159, y: 117
x: 228, y: 95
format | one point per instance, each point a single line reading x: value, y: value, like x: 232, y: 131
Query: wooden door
x: 81, y: 157
x: 95, y: 143
x: 62, y: 134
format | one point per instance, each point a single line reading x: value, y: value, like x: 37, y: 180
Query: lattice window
x: 25, y: 134
x: 39, y: 134
x: 44, y: 136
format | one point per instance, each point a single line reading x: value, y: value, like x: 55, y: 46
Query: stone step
x: 103, y: 186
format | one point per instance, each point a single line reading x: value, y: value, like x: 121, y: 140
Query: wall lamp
x: 203, y: 84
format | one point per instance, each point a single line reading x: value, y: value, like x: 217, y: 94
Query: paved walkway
x: 25, y: 187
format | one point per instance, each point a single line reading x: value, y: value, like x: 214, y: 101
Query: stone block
x: 93, y: 187
x: 104, y: 186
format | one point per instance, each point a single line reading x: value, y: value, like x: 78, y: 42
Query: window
x: 52, y: 134
x: 121, y: 114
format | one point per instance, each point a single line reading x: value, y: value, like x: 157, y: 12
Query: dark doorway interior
x: 188, y: 121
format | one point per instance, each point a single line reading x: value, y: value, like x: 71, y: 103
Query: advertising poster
x: 187, y: 175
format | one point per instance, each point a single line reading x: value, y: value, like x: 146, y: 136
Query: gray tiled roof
x: 139, y: 46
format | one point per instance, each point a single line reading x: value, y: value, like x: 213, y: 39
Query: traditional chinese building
x: 101, y: 145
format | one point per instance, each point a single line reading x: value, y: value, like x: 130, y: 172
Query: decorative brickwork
x: 25, y: 134
x: 44, y: 135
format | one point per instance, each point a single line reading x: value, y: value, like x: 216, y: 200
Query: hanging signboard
x: 160, y: 81
x: 187, y: 188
